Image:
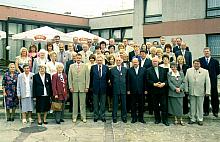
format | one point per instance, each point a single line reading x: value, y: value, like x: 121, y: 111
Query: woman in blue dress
x: 9, y: 85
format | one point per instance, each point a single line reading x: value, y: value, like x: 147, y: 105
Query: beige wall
x: 122, y: 20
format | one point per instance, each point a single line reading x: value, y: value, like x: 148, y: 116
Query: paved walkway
x: 109, y: 132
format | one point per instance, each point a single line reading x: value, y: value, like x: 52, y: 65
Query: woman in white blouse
x: 51, y: 66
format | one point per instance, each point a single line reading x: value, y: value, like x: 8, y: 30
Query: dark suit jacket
x: 147, y: 63
x: 213, y: 68
x: 98, y: 84
x: 59, y: 87
x: 38, y: 86
x: 188, y: 57
x: 152, y: 78
x: 118, y: 80
x: 137, y: 84
x: 184, y: 68
x: 131, y: 55
x: 77, y: 48
x: 177, y: 48
x: 68, y: 63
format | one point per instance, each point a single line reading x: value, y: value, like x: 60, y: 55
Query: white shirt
x: 51, y: 68
x: 27, y: 85
x: 56, y: 47
x: 100, y: 66
x: 208, y: 59
x: 85, y: 55
x: 142, y: 62
x: 136, y: 70
x: 43, y: 80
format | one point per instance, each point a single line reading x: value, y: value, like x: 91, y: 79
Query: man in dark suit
x: 157, y: 82
x: 178, y: 46
x: 77, y: 46
x: 68, y: 63
x: 187, y: 54
x: 212, y: 65
x: 147, y: 63
x: 99, y: 76
x: 135, y: 53
x: 118, y: 78
x: 137, y: 88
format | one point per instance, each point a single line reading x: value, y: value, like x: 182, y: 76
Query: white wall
x: 174, y: 10
x: 196, y: 43
x: 122, y: 20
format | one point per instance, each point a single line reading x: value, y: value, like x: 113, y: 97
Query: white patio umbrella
x: 85, y: 34
x: 41, y: 34
x: 2, y: 34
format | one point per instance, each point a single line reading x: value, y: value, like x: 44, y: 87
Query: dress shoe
x: 74, y: 120
x: 61, y: 120
x: 191, y: 122
x: 84, y: 121
x: 124, y: 120
x: 142, y: 121
x: 200, y: 123
x: 12, y: 119
x: 114, y: 120
x: 39, y: 123
x: 206, y: 114
x: 166, y: 123
x: 215, y: 114
x: 157, y: 122
x: 58, y: 122
x: 133, y: 120
x: 103, y: 120
x: 95, y: 120
x: 45, y: 122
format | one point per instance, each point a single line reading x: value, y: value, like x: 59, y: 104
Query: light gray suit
x: 79, y: 79
x: 197, y: 84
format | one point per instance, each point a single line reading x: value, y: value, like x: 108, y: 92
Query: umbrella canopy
x: 41, y: 34
x: 83, y: 34
x: 2, y: 34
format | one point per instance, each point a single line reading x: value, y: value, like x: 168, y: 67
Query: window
x: 152, y: 11
x: 213, y: 42
x: 104, y: 34
x: 213, y: 8
x: 127, y: 33
x: 15, y: 44
x: 95, y: 32
x: 116, y: 34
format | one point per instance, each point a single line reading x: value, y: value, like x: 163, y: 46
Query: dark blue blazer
x: 213, y: 68
x: 152, y: 78
x: 188, y: 57
x: 98, y: 84
x: 147, y: 63
x: 38, y: 86
x: 137, y: 84
x: 177, y: 48
x: 118, y: 80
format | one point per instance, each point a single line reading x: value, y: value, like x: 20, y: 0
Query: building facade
x: 14, y: 20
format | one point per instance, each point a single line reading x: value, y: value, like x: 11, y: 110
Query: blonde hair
x: 59, y: 65
x: 179, y: 57
x: 153, y: 48
x: 159, y: 50
x: 11, y: 65
x: 52, y: 53
x: 23, y: 48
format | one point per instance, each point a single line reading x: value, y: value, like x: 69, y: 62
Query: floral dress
x: 10, y: 85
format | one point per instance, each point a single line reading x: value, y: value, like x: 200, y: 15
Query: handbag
x: 56, y: 106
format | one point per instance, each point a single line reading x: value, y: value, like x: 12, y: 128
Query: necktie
x: 78, y: 68
x: 207, y: 61
x: 100, y: 71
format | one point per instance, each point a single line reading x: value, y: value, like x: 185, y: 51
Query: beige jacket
x: 197, y: 83
x: 79, y: 79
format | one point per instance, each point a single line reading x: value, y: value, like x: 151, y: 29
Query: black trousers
x: 99, y: 101
x: 185, y: 104
x: 123, y: 106
x: 150, y: 103
x: 214, y: 101
x: 137, y: 104
x: 160, y: 107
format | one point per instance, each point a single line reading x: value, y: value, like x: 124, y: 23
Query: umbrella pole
x: 5, y: 108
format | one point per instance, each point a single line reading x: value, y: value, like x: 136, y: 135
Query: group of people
x: 90, y: 73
